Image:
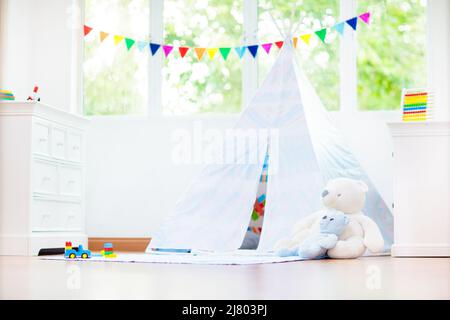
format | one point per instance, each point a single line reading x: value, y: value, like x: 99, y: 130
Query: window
x: 320, y: 62
x: 392, y: 54
x: 193, y: 86
x: 115, y: 80
x: 365, y: 70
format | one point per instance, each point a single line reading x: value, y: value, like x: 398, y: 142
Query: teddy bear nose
x: 325, y: 193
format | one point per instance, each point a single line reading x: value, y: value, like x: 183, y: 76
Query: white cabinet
x: 421, y: 189
x: 41, y: 178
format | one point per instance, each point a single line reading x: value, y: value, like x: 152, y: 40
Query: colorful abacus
x: 417, y: 105
x: 108, y: 251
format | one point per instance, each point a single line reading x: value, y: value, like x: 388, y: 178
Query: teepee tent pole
x: 277, y: 25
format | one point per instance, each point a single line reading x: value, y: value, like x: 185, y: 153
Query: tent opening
x: 254, y: 229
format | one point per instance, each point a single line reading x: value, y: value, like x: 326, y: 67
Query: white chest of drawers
x: 41, y: 178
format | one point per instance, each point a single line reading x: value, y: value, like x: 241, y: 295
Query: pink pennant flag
x: 266, y: 47
x: 167, y: 49
x: 365, y: 17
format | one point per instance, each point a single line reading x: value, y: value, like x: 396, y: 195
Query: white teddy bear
x: 348, y: 196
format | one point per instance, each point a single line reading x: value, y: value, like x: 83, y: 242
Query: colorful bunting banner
x: 183, y: 51
x: 253, y: 50
x: 141, y: 45
x: 240, y: 51
x: 365, y: 17
x: 212, y: 52
x: 129, y: 43
x: 267, y: 47
x: 306, y: 38
x: 225, y: 51
x: 87, y: 30
x: 103, y: 35
x: 279, y: 44
x: 352, y: 22
x: 322, y: 34
x: 199, y: 52
x: 340, y: 28
x: 154, y: 48
x: 167, y: 50
x: 118, y: 39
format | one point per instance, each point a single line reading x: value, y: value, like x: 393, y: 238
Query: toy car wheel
x: 84, y: 256
x: 72, y: 256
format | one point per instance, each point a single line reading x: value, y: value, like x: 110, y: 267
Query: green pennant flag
x: 224, y: 52
x: 129, y: 42
x: 322, y: 34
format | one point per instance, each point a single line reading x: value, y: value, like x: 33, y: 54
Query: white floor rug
x: 241, y: 257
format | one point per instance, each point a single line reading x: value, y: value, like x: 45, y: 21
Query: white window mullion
x: 155, y: 63
x: 250, y: 65
x: 348, y: 71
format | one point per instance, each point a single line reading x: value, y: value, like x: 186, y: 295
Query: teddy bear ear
x: 363, y: 185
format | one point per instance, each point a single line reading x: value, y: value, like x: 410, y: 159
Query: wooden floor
x: 364, y: 278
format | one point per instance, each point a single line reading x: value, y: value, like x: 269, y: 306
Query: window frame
x: 347, y: 66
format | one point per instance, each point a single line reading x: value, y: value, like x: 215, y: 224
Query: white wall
x: 36, y: 44
x: 133, y: 182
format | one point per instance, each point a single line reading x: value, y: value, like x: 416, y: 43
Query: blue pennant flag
x: 240, y: 51
x: 154, y: 48
x: 253, y: 50
x: 352, y: 22
x: 339, y: 28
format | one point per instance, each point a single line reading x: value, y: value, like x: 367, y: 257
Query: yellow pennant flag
x: 199, y: 52
x: 118, y: 39
x: 212, y: 52
x: 295, y: 40
x: 103, y: 35
x: 306, y: 38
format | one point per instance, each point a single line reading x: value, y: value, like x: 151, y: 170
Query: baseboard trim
x: 437, y: 250
x: 120, y: 244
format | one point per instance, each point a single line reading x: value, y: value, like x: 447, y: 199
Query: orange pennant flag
x: 212, y: 52
x: 295, y: 40
x: 306, y: 38
x: 199, y: 52
x: 118, y: 39
x: 103, y: 35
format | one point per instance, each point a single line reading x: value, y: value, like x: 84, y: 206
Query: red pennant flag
x: 183, y: 51
x: 279, y: 44
x: 87, y: 30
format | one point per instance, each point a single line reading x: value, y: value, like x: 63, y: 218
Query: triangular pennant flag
x: 253, y: 50
x: 117, y: 39
x: 154, y: 48
x: 224, y: 52
x: 295, y: 40
x: 87, y: 30
x: 199, y: 52
x: 365, y: 17
x: 267, y: 47
x: 339, y: 28
x: 129, y: 43
x: 141, y: 45
x: 167, y: 49
x: 306, y: 38
x: 103, y: 36
x: 279, y: 44
x: 183, y: 51
x: 212, y: 52
x: 352, y: 22
x: 240, y: 51
x: 322, y: 34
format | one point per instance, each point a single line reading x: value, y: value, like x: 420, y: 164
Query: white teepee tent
x: 305, y: 150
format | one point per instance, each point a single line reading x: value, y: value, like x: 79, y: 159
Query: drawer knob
x: 42, y: 140
x: 60, y: 144
x: 75, y: 148
x: 71, y: 182
x: 45, y: 179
